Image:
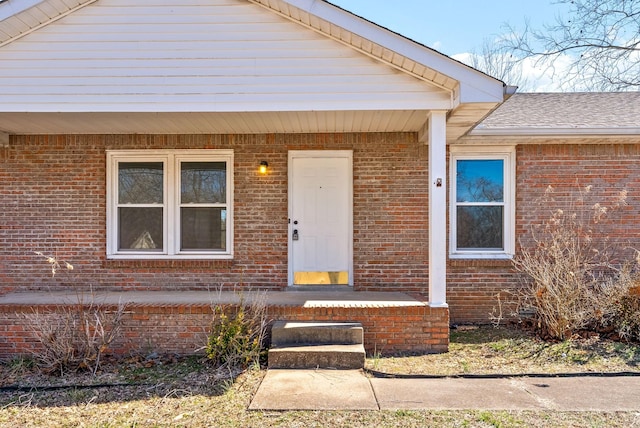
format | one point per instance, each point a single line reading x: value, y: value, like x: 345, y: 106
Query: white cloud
x: 463, y: 57
x: 531, y: 75
x: 541, y: 77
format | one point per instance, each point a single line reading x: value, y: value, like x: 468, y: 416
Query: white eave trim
x: 44, y: 23
x: 9, y: 9
x: 546, y: 132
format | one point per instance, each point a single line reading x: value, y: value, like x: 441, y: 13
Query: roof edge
x: 9, y: 9
x: 32, y: 4
x: 548, y: 132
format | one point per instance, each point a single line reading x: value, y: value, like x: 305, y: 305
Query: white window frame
x: 171, y: 203
x: 508, y: 155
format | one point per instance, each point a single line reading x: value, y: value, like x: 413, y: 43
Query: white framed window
x: 482, y: 202
x: 170, y: 204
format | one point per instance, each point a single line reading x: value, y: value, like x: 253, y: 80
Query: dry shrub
x: 54, y: 263
x: 627, y: 312
x: 74, y: 337
x: 573, y: 276
x: 238, y: 333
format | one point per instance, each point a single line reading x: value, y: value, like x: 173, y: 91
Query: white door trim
x: 305, y: 154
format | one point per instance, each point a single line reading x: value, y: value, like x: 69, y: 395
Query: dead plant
x: 54, y: 263
x: 573, y: 272
x: 73, y: 336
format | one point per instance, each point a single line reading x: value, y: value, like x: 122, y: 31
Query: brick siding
x: 53, y: 191
x: 53, y: 195
x: 183, y: 329
x: 567, y: 165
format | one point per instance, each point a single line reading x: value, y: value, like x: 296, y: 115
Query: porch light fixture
x: 263, y: 167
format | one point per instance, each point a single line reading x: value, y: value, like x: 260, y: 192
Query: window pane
x: 480, y: 228
x: 203, y: 229
x: 140, y: 229
x: 204, y: 182
x: 140, y: 182
x: 480, y: 180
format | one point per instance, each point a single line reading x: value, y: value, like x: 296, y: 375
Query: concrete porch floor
x: 314, y: 298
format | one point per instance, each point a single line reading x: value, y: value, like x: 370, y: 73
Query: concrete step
x: 311, y: 345
x: 319, y: 333
x: 343, y: 357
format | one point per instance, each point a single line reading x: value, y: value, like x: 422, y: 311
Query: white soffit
x: 213, y: 123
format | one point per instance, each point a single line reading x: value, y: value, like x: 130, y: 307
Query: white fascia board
x: 475, y: 86
x: 545, y: 132
x: 231, y: 107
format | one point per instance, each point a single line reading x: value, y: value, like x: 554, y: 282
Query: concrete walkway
x: 356, y: 390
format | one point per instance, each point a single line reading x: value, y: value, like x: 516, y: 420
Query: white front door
x: 320, y: 217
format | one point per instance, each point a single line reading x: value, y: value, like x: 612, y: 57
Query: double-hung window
x: 482, y: 202
x: 170, y: 204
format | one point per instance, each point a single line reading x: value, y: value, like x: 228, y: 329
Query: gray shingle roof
x: 565, y: 113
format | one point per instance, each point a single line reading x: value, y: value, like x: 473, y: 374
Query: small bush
x: 237, y: 334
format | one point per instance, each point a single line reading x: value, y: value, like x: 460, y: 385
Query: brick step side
x: 343, y: 357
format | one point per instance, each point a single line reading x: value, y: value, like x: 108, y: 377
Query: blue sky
x: 453, y: 26
x: 459, y: 27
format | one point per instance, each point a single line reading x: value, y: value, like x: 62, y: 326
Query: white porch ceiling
x: 212, y: 123
x: 459, y: 121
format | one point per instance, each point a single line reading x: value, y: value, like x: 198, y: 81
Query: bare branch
x: 599, y: 40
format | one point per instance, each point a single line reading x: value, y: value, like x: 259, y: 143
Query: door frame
x: 324, y: 154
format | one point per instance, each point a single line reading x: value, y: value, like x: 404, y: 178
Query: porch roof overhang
x: 334, y: 121
x: 466, y: 94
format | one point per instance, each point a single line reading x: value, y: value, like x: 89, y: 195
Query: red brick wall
x: 52, y: 190
x: 183, y: 329
x: 473, y: 286
x: 53, y: 194
x: 608, y: 168
x: 391, y: 216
